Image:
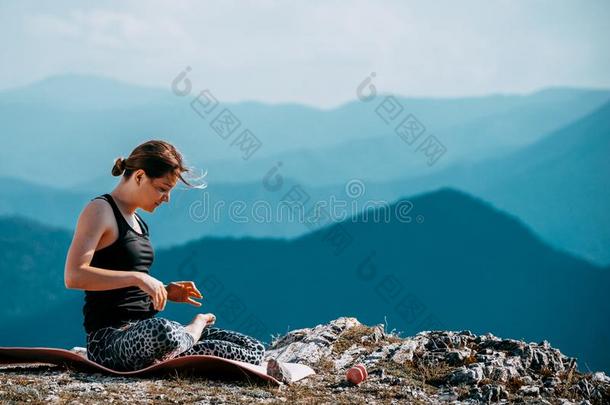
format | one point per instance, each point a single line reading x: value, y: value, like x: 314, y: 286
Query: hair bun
x: 119, y: 166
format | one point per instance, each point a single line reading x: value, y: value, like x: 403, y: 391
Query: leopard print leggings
x: 142, y: 343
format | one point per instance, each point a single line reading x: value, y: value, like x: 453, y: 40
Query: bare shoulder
x: 98, y: 213
x: 94, y: 228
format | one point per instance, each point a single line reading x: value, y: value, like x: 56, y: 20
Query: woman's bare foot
x: 278, y: 371
x: 199, y: 322
x: 208, y: 319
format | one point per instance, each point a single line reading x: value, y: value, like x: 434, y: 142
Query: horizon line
x: 339, y: 105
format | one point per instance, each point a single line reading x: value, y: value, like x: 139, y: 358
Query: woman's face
x: 153, y: 192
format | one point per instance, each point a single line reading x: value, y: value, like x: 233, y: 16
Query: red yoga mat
x: 211, y: 366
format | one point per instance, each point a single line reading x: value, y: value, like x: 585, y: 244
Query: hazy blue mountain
x: 74, y: 126
x: 84, y: 92
x: 48, y: 205
x: 31, y: 266
x: 458, y: 264
x: 182, y: 220
x: 560, y: 186
x: 491, y: 127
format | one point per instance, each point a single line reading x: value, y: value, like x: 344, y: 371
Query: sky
x: 312, y: 52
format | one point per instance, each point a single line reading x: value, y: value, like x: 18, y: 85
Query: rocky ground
x: 431, y: 367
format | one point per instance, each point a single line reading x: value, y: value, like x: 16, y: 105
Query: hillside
x: 466, y: 265
x: 31, y: 268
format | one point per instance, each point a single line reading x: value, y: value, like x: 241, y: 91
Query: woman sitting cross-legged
x: 110, y: 258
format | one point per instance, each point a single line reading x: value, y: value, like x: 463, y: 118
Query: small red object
x: 361, y: 367
x: 357, y: 374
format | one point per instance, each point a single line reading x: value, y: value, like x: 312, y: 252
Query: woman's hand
x: 154, y: 288
x: 183, y: 291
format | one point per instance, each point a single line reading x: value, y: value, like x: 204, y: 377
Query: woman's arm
x: 78, y: 273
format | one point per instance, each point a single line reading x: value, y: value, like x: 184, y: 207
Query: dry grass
x: 470, y: 359
x: 427, y: 377
x: 355, y: 335
x: 485, y: 381
x: 351, y: 336
x: 432, y: 373
x: 324, y: 365
x: 514, y: 383
x: 546, y: 372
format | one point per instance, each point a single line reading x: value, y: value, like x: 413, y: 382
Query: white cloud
x: 112, y: 30
x: 42, y: 25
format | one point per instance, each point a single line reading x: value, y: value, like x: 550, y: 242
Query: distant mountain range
x: 558, y: 186
x: 455, y: 263
x: 84, y: 92
x: 31, y: 266
x: 74, y: 127
x: 491, y: 127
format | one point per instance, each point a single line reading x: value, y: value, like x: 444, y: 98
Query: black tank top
x: 131, y: 251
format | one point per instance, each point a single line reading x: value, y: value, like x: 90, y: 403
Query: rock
x: 505, y: 345
x: 529, y: 390
x: 503, y: 373
x: 481, y: 340
x: 376, y: 336
x: 405, y: 352
x: 383, y: 353
x: 540, y: 358
x: 447, y: 394
x: 309, y: 346
x: 467, y: 375
x: 598, y: 393
x: 444, y: 341
x: 350, y: 357
x: 378, y: 372
x: 551, y: 382
x: 457, y: 357
x: 600, y: 376
x: 527, y: 380
x: 493, y: 393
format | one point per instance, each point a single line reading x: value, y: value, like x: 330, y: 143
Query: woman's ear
x: 139, y: 175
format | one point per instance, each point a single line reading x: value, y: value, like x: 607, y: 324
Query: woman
x: 110, y: 258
